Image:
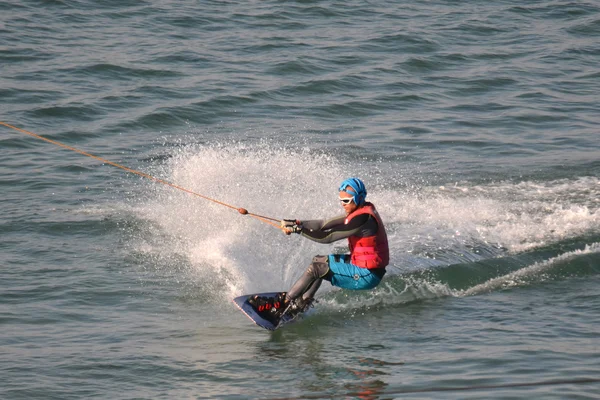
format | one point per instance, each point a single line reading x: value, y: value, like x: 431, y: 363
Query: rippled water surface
x: 473, y: 124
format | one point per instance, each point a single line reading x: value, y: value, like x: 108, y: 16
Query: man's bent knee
x: 319, y: 266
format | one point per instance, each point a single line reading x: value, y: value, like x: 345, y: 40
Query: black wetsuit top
x: 335, y: 229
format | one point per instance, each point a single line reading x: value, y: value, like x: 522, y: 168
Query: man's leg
x: 312, y: 290
x: 301, y: 293
x: 309, y: 282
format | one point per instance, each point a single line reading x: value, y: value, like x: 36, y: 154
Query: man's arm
x: 334, y: 229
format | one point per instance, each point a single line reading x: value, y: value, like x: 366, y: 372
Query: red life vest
x: 370, y: 251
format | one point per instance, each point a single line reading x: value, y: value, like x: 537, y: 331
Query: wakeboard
x: 263, y: 320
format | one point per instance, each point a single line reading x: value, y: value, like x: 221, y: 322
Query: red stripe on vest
x: 370, y: 251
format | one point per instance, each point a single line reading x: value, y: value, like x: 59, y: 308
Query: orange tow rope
x: 242, y: 211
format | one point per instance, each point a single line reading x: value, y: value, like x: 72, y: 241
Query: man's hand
x: 291, y: 226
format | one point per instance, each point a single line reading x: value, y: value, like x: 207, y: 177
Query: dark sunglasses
x: 346, y: 200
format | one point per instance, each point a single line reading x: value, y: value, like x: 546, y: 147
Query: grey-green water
x: 474, y: 125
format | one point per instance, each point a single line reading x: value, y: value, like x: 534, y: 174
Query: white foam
x: 248, y: 255
x: 524, y: 276
x: 427, y: 225
x: 491, y: 218
x: 416, y: 289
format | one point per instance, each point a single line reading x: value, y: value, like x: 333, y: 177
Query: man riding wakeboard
x: 362, y: 269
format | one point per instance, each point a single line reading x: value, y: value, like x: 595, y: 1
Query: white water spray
x: 428, y: 226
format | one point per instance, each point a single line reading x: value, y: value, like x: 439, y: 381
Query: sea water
x: 475, y: 126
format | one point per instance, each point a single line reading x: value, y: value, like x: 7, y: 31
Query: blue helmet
x: 360, y: 191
